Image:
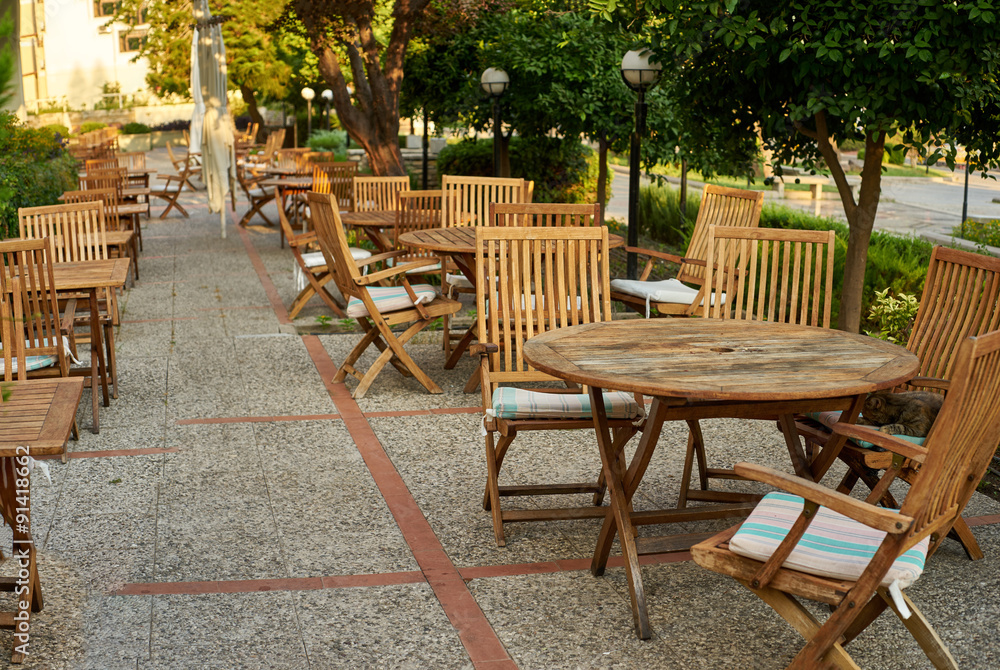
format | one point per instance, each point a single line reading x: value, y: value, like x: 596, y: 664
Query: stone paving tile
x: 242, y: 630
x: 372, y: 627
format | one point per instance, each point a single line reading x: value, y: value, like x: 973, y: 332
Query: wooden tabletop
x: 460, y: 239
x: 288, y: 183
x: 85, y: 275
x: 373, y: 219
x: 716, y: 359
x: 38, y: 413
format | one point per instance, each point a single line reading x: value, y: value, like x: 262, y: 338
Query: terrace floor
x: 238, y: 510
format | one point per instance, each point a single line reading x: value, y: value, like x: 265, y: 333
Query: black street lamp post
x: 639, y: 75
x: 327, y: 96
x: 495, y: 82
x: 308, y: 94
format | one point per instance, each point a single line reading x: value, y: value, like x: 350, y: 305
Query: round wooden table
x: 703, y: 368
x: 460, y: 243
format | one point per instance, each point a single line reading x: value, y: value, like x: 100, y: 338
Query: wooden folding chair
x: 682, y: 294
x: 336, y: 179
x: 171, y: 190
x: 855, y: 557
x: 377, y: 194
x: 183, y: 165
x: 762, y: 274
x: 312, y: 274
x: 77, y: 232
x: 418, y: 210
x: 961, y: 297
x: 257, y: 195
x: 467, y: 203
x: 530, y: 281
x: 113, y: 222
x: 376, y: 308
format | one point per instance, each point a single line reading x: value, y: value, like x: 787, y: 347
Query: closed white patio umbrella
x: 218, y: 159
x: 198, y: 116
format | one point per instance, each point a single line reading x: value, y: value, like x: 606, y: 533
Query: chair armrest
x: 662, y: 255
x: 384, y: 256
x: 870, y: 515
x: 376, y: 277
x: 880, y: 439
x: 931, y: 382
x: 303, y: 239
x: 483, y: 349
x: 68, y: 316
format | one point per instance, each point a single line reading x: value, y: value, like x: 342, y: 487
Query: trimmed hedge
x: 563, y: 170
x: 34, y: 169
x: 134, y: 128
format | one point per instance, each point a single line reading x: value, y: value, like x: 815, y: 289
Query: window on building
x: 131, y: 41
x: 106, y: 7
x: 142, y: 16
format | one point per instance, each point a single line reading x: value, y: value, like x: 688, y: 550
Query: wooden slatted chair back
x: 336, y: 179
x: 961, y: 298
x: 720, y: 206
x: 377, y: 194
x: 132, y: 160
x: 108, y: 196
x: 103, y: 179
x: 415, y: 211
x: 76, y: 230
x: 961, y: 441
x: 543, y: 214
x: 333, y: 243
x: 768, y: 274
x: 532, y: 280
x: 98, y: 164
x: 467, y: 199
x: 34, y: 330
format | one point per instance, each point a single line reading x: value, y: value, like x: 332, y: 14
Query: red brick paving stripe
x: 986, y: 520
x: 259, y: 419
x: 258, y: 265
x: 111, y: 453
x: 383, y: 579
x: 425, y: 412
x: 474, y: 630
x: 229, y: 308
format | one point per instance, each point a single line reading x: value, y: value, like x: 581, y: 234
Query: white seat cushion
x: 514, y: 403
x: 458, y: 281
x: 436, y: 267
x: 391, y: 298
x: 834, y: 545
x: 828, y: 419
x: 669, y: 290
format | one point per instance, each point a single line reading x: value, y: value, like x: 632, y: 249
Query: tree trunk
x: 860, y: 215
x: 252, y: 110
x: 602, y: 174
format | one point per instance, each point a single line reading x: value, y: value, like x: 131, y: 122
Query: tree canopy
x: 809, y: 73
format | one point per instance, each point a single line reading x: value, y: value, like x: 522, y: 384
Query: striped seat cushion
x: 434, y: 267
x: 515, y: 403
x: 833, y: 546
x: 391, y: 298
x: 830, y: 418
x: 458, y: 281
x: 31, y: 362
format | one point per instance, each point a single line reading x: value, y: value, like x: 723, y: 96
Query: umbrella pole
x: 222, y: 220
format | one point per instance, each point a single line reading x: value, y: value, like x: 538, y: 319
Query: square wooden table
x: 709, y: 368
x: 35, y: 420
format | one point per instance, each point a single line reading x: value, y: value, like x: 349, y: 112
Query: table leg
x: 615, y: 476
x: 467, y: 266
x: 97, y: 363
x: 825, y: 458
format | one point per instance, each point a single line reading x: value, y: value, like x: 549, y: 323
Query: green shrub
x: 895, y: 262
x: 134, y: 128
x: 892, y: 316
x: 980, y: 232
x: 563, y: 170
x: 92, y: 125
x: 34, y: 170
x: 327, y: 140
x: 54, y: 128
x: 660, y: 216
x: 896, y: 154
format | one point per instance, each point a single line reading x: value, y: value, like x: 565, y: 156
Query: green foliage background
x: 563, y: 170
x: 34, y: 170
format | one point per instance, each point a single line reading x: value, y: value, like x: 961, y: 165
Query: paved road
x: 908, y: 204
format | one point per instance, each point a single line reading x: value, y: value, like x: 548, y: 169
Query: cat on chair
x: 905, y: 413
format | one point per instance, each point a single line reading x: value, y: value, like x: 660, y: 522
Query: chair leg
x: 922, y: 632
x: 319, y: 284
x: 109, y: 344
x: 493, y: 491
x: 352, y: 358
x: 961, y: 532
x: 395, y: 346
x: 498, y: 454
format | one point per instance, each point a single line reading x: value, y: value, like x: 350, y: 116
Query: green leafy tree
x: 808, y: 74
x: 257, y: 64
x: 8, y: 61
